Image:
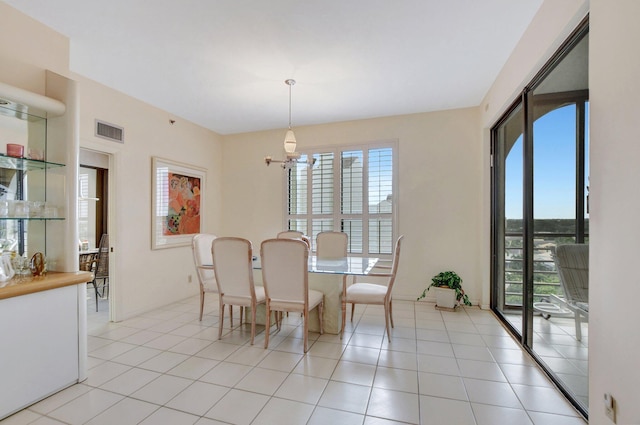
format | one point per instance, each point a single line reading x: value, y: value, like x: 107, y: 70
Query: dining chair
x: 232, y: 265
x: 372, y: 293
x: 285, y: 276
x: 331, y: 245
x: 294, y: 234
x: 100, y: 269
x: 289, y: 234
x: 201, y: 248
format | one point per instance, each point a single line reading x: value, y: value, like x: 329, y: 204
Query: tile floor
x: 554, y: 340
x: 166, y: 367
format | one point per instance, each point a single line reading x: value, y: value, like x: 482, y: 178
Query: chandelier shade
x: 289, y: 142
x: 292, y: 157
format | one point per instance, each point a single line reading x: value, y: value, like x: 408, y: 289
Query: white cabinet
x: 39, y: 356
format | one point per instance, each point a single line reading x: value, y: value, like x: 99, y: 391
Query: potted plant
x: 449, y: 290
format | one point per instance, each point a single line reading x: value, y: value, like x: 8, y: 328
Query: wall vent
x: 109, y: 131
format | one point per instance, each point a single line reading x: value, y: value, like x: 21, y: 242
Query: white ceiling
x: 222, y: 63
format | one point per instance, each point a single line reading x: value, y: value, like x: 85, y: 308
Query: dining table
x: 326, y: 275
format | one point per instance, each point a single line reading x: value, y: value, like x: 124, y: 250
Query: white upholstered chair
x: 331, y: 245
x: 294, y: 234
x: 286, y: 282
x: 289, y: 234
x: 201, y: 247
x: 232, y: 264
x: 372, y: 293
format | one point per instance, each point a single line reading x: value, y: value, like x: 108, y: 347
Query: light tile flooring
x: 166, y: 367
x: 555, y: 342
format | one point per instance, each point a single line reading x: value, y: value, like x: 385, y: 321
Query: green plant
x: 450, y: 280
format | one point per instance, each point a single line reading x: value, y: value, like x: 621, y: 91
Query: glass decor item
x: 36, y: 264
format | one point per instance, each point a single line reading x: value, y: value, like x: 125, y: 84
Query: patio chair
x: 572, y: 262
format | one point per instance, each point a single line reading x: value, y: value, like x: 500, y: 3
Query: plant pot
x: 445, y: 298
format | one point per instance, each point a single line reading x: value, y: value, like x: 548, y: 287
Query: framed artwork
x: 177, y: 192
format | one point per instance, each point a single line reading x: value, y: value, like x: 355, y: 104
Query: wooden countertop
x: 52, y: 280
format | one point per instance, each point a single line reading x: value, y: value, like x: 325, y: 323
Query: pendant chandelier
x: 292, y: 157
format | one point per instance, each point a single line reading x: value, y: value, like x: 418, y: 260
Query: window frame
x: 337, y: 214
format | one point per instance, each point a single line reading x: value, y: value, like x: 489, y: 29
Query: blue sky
x: 554, y: 167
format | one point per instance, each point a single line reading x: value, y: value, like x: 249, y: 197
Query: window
x: 347, y: 189
x: 87, y: 206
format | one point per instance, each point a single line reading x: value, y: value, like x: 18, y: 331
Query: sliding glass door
x: 540, y: 187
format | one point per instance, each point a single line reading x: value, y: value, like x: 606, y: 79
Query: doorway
x: 539, y: 201
x: 93, y: 231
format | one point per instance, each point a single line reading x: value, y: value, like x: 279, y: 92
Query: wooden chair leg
x: 344, y: 318
x: 353, y: 307
x: 343, y: 301
x: 267, y: 325
x: 387, y: 312
x: 241, y: 314
x: 201, y: 304
x: 95, y: 288
x: 320, y: 316
x: 221, y: 320
x: 305, y: 327
x: 253, y: 323
x: 230, y: 316
x: 391, y: 311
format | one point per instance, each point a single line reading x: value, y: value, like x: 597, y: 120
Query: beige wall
x: 142, y: 279
x: 147, y: 278
x: 550, y: 27
x: 614, y: 339
x: 440, y: 197
x: 27, y: 49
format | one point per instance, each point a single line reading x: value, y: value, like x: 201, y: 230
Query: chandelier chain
x: 290, y: 83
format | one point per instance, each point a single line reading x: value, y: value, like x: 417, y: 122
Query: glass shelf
x: 24, y: 164
x: 32, y: 218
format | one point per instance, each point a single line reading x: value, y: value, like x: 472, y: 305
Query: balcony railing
x: 545, y: 276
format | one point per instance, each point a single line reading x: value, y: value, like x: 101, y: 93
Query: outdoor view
x: 541, y: 192
x: 554, y: 203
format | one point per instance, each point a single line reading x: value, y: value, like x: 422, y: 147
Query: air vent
x: 109, y: 131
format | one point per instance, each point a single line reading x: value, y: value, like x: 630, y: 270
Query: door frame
x: 526, y: 101
x: 111, y: 224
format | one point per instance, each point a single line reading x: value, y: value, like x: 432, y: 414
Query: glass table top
x: 348, y: 265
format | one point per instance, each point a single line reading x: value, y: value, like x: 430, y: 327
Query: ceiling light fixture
x: 292, y: 157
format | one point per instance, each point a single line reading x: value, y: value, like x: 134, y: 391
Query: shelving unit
x: 25, y: 179
x: 47, y: 311
x: 26, y: 164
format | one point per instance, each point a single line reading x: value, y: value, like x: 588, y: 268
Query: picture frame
x: 177, y: 200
